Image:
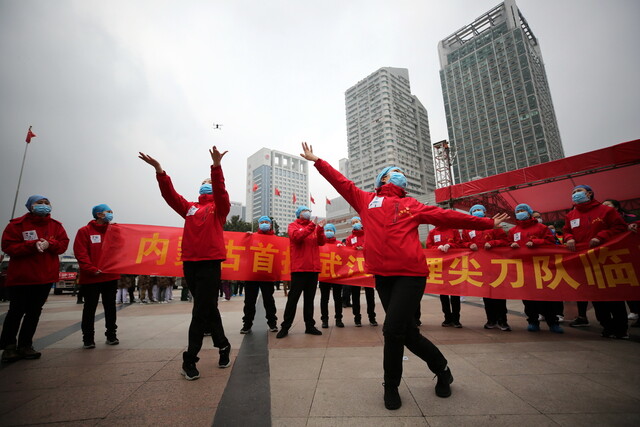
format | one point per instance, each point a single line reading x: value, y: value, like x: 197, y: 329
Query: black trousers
x: 203, y: 280
x: 370, y: 297
x: 301, y: 282
x: 91, y: 293
x: 24, y: 314
x: 495, y: 309
x: 251, y: 290
x: 400, y: 297
x: 325, y: 291
x: 582, y: 308
x: 612, y: 316
x: 547, y: 308
x: 450, y: 307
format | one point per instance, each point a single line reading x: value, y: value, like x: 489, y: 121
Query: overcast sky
x: 100, y: 81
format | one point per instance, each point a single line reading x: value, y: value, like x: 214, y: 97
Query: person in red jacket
x: 33, y: 241
x: 529, y: 233
x: 203, y: 252
x: 305, y: 236
x: 588, y: 225
x: 327, y: 288
x: 394, y: 255
x: 87, y: 247
x: 494, y: 308
x: 266, y: 288
x: 356, y: 241
x: 444, y: 239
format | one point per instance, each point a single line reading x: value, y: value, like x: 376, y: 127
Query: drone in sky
x: 217, y: 126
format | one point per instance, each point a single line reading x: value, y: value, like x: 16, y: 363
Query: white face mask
x: 305, y: 215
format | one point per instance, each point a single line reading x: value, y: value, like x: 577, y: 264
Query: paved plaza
x: 513, y: 378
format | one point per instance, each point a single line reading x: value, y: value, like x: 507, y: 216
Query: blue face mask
x: 579, y: 197
x: 521, y: 216
x: 108, y: 217
x: 357, y: 226
x: 41, y: 210
x: 478, y: 213
x: 398, y: 179
x: 265, y: 226
x: 329, y: 234
x: 306, y: 215
x: 206, y: 189
x: 553, y: 232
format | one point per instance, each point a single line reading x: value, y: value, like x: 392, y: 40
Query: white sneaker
x: 632, y: 316
x: 540, y: 317
x: 560, y: 318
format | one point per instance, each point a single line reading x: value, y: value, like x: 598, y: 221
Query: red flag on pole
x: 312, y: 200
x: 255, y: 187
x: 294, y: 199
x: 277, y: 192
x: 30, y: 135
x: 328, y: 201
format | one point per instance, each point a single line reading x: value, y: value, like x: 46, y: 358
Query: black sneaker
x: 89, y: 345
x: 190, y: 371
x: 273, y: 328
x: 339, y: 324
x: 490, y: 325
x: 456, y: 324
x: 325, y: 325
x: 579, y: 322
x: 112, y: 341
x: 373, y: 322
x: 10, y: 354
x: 245, y: 330
x: 312, y: 331
x: 446, y: 324
x: 283, y: 333
x: 504, y: 326
x: 224, y: 361
x: 392, y: 399
x: 358, y: 324
x: 443, y: 388
x: 29, y: 353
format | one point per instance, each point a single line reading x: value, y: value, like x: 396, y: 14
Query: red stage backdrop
x: 608, y: 272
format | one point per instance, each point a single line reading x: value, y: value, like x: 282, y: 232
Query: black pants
x: 612, y: 316
x: 496, y: 310
x: 24, y: 314
x: 91, y: 293
x: 325, y: 290
x: 582, y: 308
x: 450, y: 307
x: 301, y: 282
x: 346, y: 296
x: 203, y: 280
x: 251, y: 290
x: 370, y: 297
x: 400, y: 297
x: 534, y: 308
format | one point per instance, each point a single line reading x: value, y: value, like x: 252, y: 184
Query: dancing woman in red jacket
x: 394, y: 255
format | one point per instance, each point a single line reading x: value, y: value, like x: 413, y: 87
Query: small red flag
x: 277, y: 192
x: 328, y: 201
x: 312, y: 200
x: 30, y: 135
x: 255, y: 187
x: 294, y: 199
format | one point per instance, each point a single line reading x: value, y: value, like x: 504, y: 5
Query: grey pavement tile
x: 135, y: 372
x: 515, y: 364
x: 288, y: 422
x: 80, y: 423
x: 477, y: 395
x: 15, y: 378
x: 557, y: 394
x: 396, y: 421
x: 623, y: 381
x: 193, y: 417
x: 295, y: 368
x: 489, y: 347
x: 359, y: 397
x: 529, y: 420
x: 10, y: 400
x: 351, y: 367
x: 277, y: 353
x: 292, y: 398
x: 414, y: 367
x: 589, y: 420
x: 147, y: 355
x: 588, y: 361
x: 80, y: 357
x: 71, y: 404
x: 371, y: 351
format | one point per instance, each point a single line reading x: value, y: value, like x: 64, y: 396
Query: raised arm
x: 173, y: 199
x: 220, y: 195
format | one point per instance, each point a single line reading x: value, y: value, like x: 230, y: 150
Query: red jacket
x: 496, y: 237
x: 332, y: 241
x: 28, y: 266
x: 304, y: 239
x: 87, y: 247
x: 356, y: 238
x: 443, y: 236
x: 393, y: 245
x: 530, y: 230
x: 202, y: 237
x: 592, y: 219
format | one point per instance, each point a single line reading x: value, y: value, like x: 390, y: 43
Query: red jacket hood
x: 586, y: 206
x: 391, y: 189
x: 530, y: 222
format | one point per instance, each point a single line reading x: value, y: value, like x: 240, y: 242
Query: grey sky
x: 100, y: 81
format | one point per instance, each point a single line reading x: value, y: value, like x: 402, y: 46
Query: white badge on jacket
x: 30, y: 235
x: 96, y: 238
x: 516, y: 236
x: 436, y: 238
x: 575, y: 223
x: 192, y: 210
x: 376, y: 202
x: 472, y: 234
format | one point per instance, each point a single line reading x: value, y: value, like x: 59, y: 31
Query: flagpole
x: 13, y: 211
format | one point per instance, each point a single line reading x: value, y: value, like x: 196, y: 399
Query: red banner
x: 608, y: 272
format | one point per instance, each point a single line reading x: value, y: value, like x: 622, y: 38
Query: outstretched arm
x: 150, y: 160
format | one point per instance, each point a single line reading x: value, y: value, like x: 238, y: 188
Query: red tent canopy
x: 612, y: 172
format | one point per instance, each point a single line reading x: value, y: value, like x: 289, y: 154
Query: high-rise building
x: 271, y: 170
x: 497, y: 100
x: 237, y: 209
x: 387, y: 125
